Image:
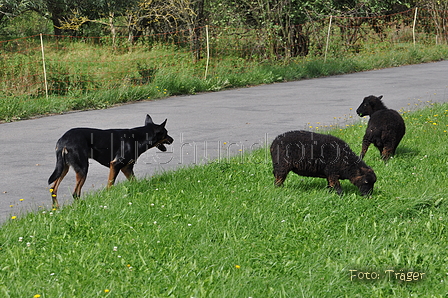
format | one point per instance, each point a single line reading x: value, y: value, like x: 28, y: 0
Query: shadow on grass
x: 313, y: 185
x: 406, y: 151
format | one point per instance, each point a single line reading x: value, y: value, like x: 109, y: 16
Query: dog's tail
x: 60, y: 164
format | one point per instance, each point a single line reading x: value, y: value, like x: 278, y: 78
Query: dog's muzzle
x: 161, y: 145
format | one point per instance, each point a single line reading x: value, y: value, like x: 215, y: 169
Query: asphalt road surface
x: 205, y: 126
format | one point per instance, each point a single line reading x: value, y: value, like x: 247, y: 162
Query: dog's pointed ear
x: 148, y: 120
x: 164, y: 123
x: 379, y: 97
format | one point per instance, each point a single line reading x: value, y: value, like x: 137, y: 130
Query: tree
x: 58, y: 10
x: 281, y: 20
x: 104, y: 12
x: 12, y: 8
x: 163, y: 16
x: 439, y: 15
x: 52, y: 9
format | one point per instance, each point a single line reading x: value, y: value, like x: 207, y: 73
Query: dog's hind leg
x: 80, y: 179
x: 80, y: 163
x: 54, y: 188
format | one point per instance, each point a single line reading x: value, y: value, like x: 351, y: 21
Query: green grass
x: 224, y: 230
x: 113, y: 81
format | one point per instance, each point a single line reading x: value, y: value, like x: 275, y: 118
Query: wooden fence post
x: 328, y: 38
x: 413, y: 26
x: 208, y: 52
x: 43, y: 63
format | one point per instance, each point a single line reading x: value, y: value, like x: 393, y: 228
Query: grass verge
x: 224, y: 230
x: 185, y: 78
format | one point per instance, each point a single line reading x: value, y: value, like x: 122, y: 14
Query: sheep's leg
x: 388, y: 150
x: 386, y: 153
x: 365, y: 147
x: 333, y: 183
x: 280, y: 177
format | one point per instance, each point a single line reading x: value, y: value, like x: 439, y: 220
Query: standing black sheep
x: 318, y: 155
x: 385, y: 129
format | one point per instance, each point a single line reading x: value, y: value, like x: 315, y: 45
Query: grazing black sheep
x: 318, y: 155
x: 385, y: 128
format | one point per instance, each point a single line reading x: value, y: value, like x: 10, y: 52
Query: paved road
x: 205, y: 126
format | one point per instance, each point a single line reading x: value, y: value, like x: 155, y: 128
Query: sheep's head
x: 370, y: 105
x: 365, y: 181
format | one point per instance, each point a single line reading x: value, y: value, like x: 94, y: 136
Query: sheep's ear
x: 379, y: 97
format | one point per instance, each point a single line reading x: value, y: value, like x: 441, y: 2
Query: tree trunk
x: 57, y: 13
x: 196, y: 34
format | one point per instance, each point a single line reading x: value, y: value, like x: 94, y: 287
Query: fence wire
x: 83, y: 64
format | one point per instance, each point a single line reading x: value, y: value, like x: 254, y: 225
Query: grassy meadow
x: 224, y: 230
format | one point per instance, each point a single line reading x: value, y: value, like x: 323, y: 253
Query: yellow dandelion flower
x: 237, y: 266
x: 106, y: 290
x: 36, y: 296
x: 13, y: 217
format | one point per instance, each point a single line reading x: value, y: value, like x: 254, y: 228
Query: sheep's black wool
x: 318, y: 155
x: 385, y: 128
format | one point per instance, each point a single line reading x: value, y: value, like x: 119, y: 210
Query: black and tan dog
x: 117, y: 149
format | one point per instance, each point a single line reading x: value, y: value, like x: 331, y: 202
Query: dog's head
x: 160, y: 136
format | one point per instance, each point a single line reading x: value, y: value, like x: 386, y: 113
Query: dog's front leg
x: 128, y: 170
